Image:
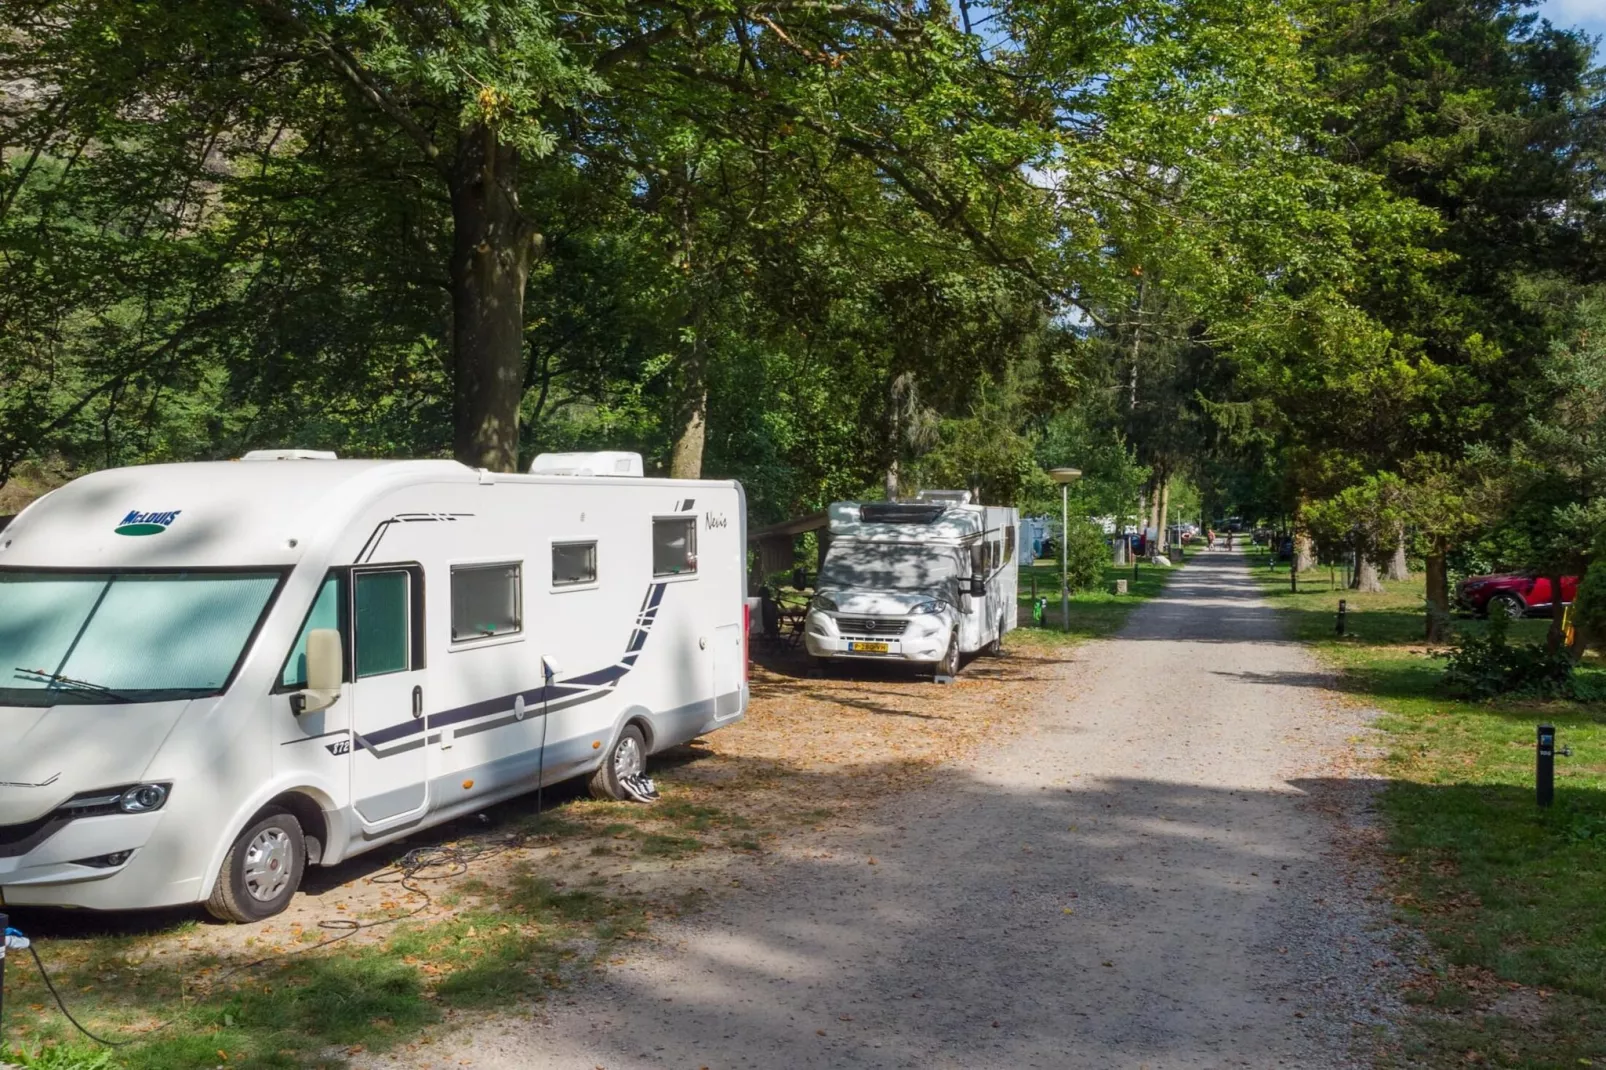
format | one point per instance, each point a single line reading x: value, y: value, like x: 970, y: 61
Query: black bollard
x: 1343, y: 615
x: 1293, y: 578
x: 1545, y: 762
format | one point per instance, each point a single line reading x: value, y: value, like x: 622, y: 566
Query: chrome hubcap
x: 267, y: 864
x: 627, y: 758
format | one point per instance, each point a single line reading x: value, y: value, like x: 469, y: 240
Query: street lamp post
x: 1065, y: 477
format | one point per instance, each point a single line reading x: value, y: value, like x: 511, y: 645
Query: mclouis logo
x: 138, y: 523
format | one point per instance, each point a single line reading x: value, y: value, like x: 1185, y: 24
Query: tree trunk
x: 687, y: 460
x: 894, y: 435
x: 1304, y: 553
x: 492, y: 247
x: 1165, y: 514
x: 1366, y: 578
x: 1154, y: 516
x: 1555, y: 638
x: 1399, y: 567
x: 1120, y: 550
x: 1438, y: 593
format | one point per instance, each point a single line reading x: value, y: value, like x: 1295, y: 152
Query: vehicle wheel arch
x: 271, y: 797
x: 639, y: 716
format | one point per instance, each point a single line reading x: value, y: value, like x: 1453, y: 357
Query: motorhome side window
x: 1009, y: 544
x: 674, y: 545
x: 381, y: 613
x: 978, y: 559
x: 574, y: 563
x: 325, y: 614
x: 485, y: 601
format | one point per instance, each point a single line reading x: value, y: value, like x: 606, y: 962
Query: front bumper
x: 921, y: 639
x: 58, y: 869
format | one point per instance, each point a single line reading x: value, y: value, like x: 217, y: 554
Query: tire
x: 627, y: 757
x: 262, y: 870
x: 949, y: 665
x: 995, y: 649
x: 1511, y: 605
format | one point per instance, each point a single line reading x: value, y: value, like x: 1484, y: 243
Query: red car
x: 1515, y: 593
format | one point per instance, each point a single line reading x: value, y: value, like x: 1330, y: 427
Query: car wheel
x: 262, y: 870
x: 1508, y: 604
x: 949, y: 665
x: 627, y: 758
x: 995, y: 649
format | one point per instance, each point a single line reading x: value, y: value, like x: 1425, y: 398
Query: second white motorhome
x: 925, y: 581
x: 215, y: 675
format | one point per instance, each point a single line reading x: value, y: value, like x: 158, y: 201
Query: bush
x: 1483, y: 665
x: 1589, y: 606
x: 1088, y: 555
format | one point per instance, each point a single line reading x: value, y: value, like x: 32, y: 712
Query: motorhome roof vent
x: 601, y: 463
x: 951, y: 497
x: 290, y: 455
x: 900, y: 512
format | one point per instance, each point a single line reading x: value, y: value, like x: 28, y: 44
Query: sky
x: 1588, y: 14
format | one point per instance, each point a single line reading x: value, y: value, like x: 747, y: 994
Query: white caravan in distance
x: 923, y: 581
x: 214, y: 675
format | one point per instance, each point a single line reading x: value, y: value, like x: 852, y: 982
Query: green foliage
x: 1485, y: 664
x: 1088, y: 555
x: 1589, y: 605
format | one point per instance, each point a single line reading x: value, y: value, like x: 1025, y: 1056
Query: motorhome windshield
x: 878, y: 566
x: 80, y: 638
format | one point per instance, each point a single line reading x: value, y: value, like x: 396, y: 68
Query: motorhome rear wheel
x: 262, y: 870
x: 627, y: 758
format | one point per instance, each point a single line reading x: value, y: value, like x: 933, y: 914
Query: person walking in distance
x: 1229, y: 541
x: 1210, y: 538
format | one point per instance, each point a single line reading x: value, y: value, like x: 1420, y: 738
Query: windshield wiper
x: 71, y: 684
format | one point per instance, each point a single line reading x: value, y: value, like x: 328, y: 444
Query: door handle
x: 418, y: 700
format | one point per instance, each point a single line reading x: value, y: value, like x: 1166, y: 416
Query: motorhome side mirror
x: 325, y: 668
x: 978, y: 587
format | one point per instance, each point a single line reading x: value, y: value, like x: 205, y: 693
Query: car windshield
x: 873, y: 566
x: 79, y: 638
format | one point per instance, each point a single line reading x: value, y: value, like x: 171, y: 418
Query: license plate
x: 867, y: 648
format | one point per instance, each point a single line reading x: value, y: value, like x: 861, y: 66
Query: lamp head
x: 1064, y: 475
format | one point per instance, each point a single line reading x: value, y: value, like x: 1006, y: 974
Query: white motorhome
x: 923, y: 581
x: 215, y: 675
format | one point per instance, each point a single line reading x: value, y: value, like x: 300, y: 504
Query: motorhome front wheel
x: 627, y: 758
x: 949, y: 665
x: 262, y: 870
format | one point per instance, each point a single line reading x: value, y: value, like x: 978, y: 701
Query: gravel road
x: 1152, y: 876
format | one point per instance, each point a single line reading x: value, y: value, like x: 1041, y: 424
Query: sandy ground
x: 1157, y: 872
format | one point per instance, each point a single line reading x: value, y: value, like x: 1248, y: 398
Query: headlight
x: 924, y: 608
x: 143, y: 798
x: 823, y: 602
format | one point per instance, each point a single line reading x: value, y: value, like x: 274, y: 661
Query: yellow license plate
x: 867, y: 648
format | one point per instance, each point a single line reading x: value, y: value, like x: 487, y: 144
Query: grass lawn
x: 1094, y: 613
x: 1510, y: 896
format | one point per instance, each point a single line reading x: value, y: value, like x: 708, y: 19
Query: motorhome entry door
x: 388, y: 782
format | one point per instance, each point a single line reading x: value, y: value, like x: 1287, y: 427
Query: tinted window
x: 573, y: 562
x: 485, y: 601
x: 1009, y: 544
x: 674, y: 546
x: 383, y: 635
x: 325, y: 614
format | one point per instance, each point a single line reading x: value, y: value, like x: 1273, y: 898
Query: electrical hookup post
x: 10, y: 940
x: 1545, y: 765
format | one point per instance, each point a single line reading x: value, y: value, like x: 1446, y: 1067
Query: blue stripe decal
x: 599, y: 682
